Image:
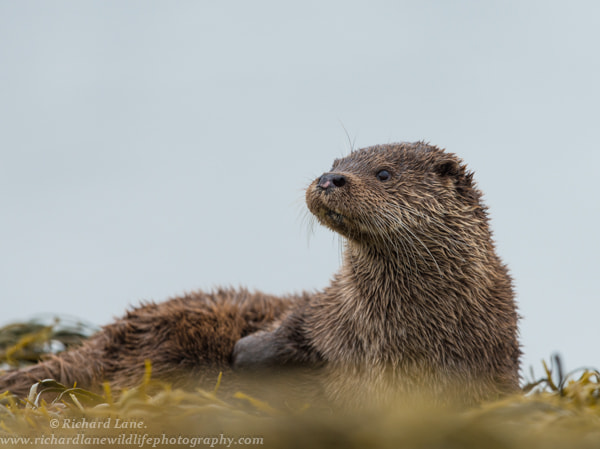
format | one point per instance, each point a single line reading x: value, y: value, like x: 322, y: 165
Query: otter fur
x: 421, y: 302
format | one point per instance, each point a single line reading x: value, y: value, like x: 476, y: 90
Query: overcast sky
x: 151, y: 148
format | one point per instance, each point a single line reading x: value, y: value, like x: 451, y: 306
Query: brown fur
x: 188, y: 340
x: 422, y: 303
x: 421, y: 300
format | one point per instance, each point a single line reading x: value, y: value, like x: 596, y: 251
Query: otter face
x: 382, y: 193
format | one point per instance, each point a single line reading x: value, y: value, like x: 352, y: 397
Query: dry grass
x: 557, y: 411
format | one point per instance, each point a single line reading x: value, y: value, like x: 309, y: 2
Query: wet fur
x: 188, y: 340
x: 421, y: 302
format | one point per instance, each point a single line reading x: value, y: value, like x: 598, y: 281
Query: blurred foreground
x: 557, y: 410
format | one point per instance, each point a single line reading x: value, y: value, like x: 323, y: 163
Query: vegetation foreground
x: 557, y: 411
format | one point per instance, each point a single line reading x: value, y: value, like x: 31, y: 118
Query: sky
x: 151, y: 148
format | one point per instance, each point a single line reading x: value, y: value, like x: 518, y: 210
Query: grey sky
x: 150, y: 148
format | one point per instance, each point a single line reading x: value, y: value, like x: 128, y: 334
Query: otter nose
x: 331, y: 180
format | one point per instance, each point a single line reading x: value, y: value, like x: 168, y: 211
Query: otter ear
x: 448, y: 167
x: 462, y: 179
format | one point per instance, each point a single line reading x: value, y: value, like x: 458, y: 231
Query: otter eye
x: 383, y: 175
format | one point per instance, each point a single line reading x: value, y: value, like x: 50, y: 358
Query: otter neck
x: 388, y: 275
x: 388, y: 289
x: 376, y: 300
x: 381, y: 279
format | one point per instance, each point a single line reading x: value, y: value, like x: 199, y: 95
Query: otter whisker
x: 407, y: 229
x: 392, y: 223
x: 442, y: 225
x: 451, y: 242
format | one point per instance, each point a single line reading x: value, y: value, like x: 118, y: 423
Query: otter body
x: 421, y: 302
x: 188, y: 340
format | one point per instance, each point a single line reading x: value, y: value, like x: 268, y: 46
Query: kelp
x: 25, y: 343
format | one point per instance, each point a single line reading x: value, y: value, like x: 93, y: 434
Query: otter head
x: 387, y: 193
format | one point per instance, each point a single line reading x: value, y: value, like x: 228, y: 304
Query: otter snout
x: 330, y: 181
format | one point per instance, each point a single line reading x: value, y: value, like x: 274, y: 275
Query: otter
x: 422, y: 302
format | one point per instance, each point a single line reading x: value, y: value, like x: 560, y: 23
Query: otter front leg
x: 259, y: 350
x: 285, y: 346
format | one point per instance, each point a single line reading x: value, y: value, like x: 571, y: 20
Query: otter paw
x: 255, y: 351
